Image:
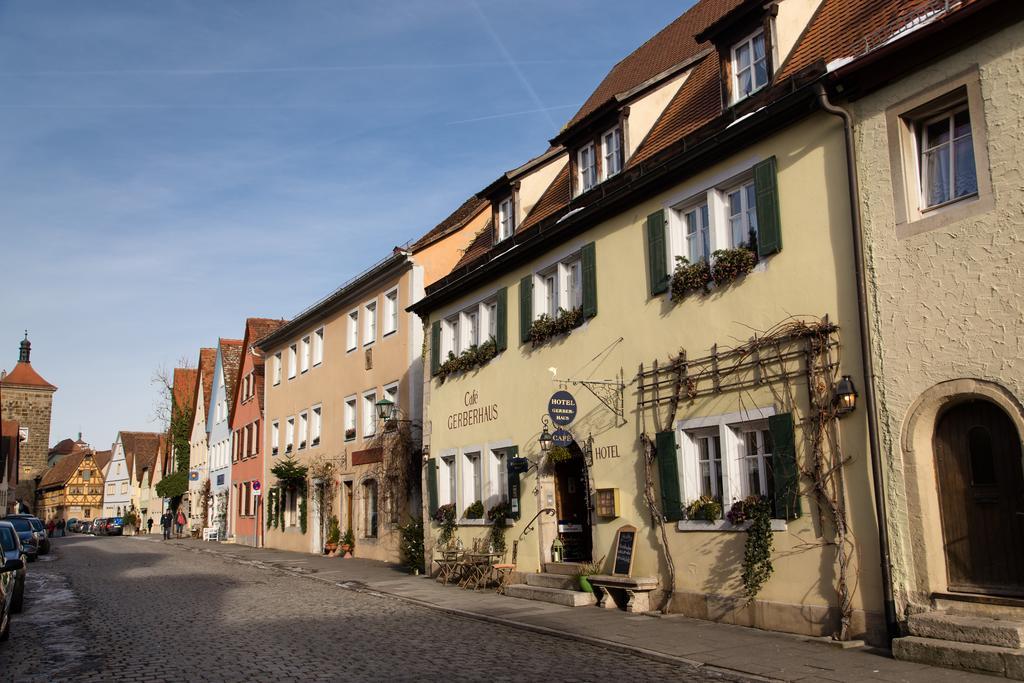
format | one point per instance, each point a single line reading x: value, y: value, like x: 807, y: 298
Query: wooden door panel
x: 981, y: 493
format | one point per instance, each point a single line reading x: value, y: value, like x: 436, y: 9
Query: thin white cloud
x: 514, y: 113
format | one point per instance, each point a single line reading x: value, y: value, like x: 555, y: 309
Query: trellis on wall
x: 797, y: 351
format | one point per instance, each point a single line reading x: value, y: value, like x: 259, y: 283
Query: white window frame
x: 289, y: 434
x: 747, y: 215
x: 497, y: 474
x: 506, y: 218
x: 369, y: 322
x: 566, y: 296
x: 586, y: 172
x: 352, y: 333
x: 318, y: 347
x: 452, y: 336
x: 305, y: 354
x: 292, y: 361
x: 390, y: 312
x: 369, y: 413
x: 277, y: 368
x: 302, y: 438
x: 456, y: 334
x: 948, y: 114
x: 315, y: 425
x: 613, y: 153
x: 748, y: 42
x: 448, y: 479
x: 728, y: 428
x: 472, y: 477
x: 391, y: 392
x: 351, y: 413
x: 275, y: 437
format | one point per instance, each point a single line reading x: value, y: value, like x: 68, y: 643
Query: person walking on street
x: 181, y: 522
x: 149, y: 525
x: 166, y: 520
x: 60, y: 526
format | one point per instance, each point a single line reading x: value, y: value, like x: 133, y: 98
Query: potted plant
x: 333, y: 536
x: 586, y: 570
x: 474, y: 511
x: 559, y: 454
x: 350, y: 433
x: 704, y: 508
x: 348, y: 543
x: 445, y: 516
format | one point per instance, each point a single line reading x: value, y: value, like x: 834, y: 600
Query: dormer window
x: 611, y: 153
x: 506, y: 218
x: 586, y: 167
x: 749, y: 65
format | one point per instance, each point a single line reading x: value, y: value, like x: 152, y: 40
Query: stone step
x: 999, y: 608
x: 567, y: 568
x: 553, y: 595
x: 989, y: 659
x: 562, y: 581
x: 968, y: 629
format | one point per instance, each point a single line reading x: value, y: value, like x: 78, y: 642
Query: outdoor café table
x: 478, y: 568
x: 448, y: 565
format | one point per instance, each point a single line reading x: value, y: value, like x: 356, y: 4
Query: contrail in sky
x: 514, y: 65
x: 513, y: 113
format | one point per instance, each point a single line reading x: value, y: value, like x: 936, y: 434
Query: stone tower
x: 28, y: 398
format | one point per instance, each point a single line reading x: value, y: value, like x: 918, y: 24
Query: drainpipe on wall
x: 891, y: 623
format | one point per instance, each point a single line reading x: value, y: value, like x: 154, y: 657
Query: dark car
x: 38, y: 529
x: 10, y: 544
x: 114, y: 526
x: 8, y: 587
x: 94, y: 527
x: 25, y: 534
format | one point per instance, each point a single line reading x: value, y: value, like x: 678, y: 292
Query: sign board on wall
x: 562, y: 408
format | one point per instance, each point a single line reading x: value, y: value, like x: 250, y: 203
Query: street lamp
x: 385, y: 409
x: 845, y: 397
x: 545, y: 437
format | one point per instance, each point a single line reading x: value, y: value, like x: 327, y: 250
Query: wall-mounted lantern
x: 845, y: 398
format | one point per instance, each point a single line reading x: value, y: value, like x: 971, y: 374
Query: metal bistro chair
x: 448, y: 564
x: 503, y: 572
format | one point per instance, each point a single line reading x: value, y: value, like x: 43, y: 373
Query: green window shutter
x: 513, y: 482
x: 435, y: 347
x: 668, y: 475
x: 588, y: 258
x: 525, y: 308
x: 785, y: 472
x: 501, y: 325
x: 432, y: 486
x: 657, y: 253
x: 769, y: 224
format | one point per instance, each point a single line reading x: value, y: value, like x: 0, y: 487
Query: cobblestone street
x: 102, y: 609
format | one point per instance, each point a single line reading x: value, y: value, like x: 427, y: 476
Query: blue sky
x: 169, y: 168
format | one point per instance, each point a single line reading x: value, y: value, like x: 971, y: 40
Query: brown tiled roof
x: 844, y: 29
x: 672, y: 45
x: 102, y: 458
x: 207, y: 361
x: 63, y: 470
x: 480, y: 245
x: 458, y: 218
x: 255, y: 328
x: 184, y: 388
x: 63, y: 447
x: 140, y: 450
x: 24, y: 375
x: 230, y: 360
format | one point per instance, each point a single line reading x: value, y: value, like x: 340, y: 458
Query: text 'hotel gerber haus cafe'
x: 603, y: 398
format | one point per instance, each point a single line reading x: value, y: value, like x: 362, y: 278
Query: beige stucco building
x: 938, y: 145
x: 325, y: 372
x: 740, y: 402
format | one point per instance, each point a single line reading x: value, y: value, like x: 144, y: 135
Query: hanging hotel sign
x: 562, y: 408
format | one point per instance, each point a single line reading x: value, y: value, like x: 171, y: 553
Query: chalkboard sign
x: 624, y: 546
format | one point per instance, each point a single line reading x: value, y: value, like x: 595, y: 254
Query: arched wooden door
x: 981, y: 499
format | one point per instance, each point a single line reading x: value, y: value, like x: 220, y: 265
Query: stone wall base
x: 806, y: 620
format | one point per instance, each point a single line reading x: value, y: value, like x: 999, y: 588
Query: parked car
x: 94, y: 528
x: 38, y: 529
x: 8, y: 583
x: 114, y: 526
x: 69, y: 525
x: 12, y: 549
x: 25, y: 534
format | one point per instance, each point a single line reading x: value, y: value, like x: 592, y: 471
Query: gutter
x: 891, y: 622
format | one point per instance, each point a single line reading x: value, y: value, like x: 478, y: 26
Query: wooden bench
x: 637, y: 590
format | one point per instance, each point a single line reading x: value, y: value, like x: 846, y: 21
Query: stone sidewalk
x: 752, y: 653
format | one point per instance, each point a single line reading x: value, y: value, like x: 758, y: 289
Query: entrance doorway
x: 347, y: 495
x: 571, y: 493
x: 981, y: 499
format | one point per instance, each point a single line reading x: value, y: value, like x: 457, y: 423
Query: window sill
x: 388, y: 334
x: 351, y: 349
x: 723, y: 525
x: 473, y: 522
x: 316, y: 365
